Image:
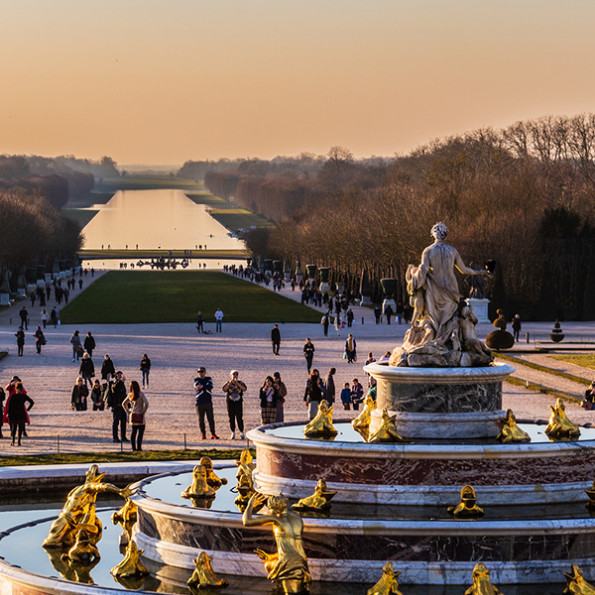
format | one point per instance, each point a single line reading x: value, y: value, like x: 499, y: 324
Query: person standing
x: 350, y: 349
x: 357, y: 394
x: 276, y: 339
x: 218, y: 320
x: 145, y: 368
x: 309, y: 353
x: 97, y: 396
x: 87, y: 369
x: 268, y: 401
x: 346, y: 397
x: 203, y: 402
x: 388, y: 312
x: 325, y: 322
x: 234, y: 390
x: 329, y: 386
x: 20, y: 335
x: 78, y: 397
x: 135, y: 405
x: 377, y: 312
x: 107, y: 368
x: 516, y: 327
x: 349, y: 315
x: 44, y: 317
x: 282, y: 393
x: 89, y: 344
x: 200, y: 321
x: 77, y: 348
x: 116, y: 394
x: 313, y: 394
x: 18, y: 412
x: 24, y: 314
x: 54, y: 316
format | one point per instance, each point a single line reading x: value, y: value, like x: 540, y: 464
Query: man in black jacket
x: 115, y: 397
x: 276, y: 339
x: 203, y: 401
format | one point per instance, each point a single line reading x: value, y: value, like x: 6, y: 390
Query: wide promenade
x: 176, y: 351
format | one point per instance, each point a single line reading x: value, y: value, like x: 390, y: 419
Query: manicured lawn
x: 132, y: 182
x: 176, y: 296
x: 586, y: 360
x: 239, y: 219
x: 81, y: 216
x: 205, y: 198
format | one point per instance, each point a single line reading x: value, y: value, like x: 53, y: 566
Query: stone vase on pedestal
x: 365, y: 289
x: 480, y: 307
x: 299, y: 274
x: 324, y: 285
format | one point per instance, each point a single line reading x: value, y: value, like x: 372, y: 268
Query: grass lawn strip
x: 539, y: 388
x: 585, y: 360
x: 176, y: 296
x: 81, y: 216
x: 544, y: 369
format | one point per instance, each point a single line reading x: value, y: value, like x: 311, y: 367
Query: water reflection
x: 156, y: 219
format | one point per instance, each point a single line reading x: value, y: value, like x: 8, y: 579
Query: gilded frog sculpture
x: 321, y: 426
x: 467, y: 508
x: 481, y: 582
x: 559, y: 425
x: 576, y: 584
x: 212, y: 479
x: 199, y: 487
x: 388, y: 583
x: 204, y: 576
x: 319, y: 501
x: 131, y: 566
x: 510, y: 431
x: 387, y: 432
x: 361, y: 424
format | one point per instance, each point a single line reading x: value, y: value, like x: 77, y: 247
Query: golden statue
x: 80, y: 503
x: 84, y: 551
x: 199, y: 487
x: 289, y: 565
x: 204, y: 576
x: 131, y: 566
x: 319, y: 501
x: 510, y: 432
x: 388, y: 584
x: 481, y: 582
x: 126, y: 517
x: 361, y: 424
x: 559, y: 425
x: 387, y: 432
x: 212, y: 479
x: 246, y: 465
x: 245, y: 485
x: 321, y: 426
x: 576, y: 584
x: 467, y: 507
x: 591, y: 493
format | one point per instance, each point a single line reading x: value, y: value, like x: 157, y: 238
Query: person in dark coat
x: 203, y: 402
x: 314, y: 393
x: 20, y: 335
x: 329, y: 388
x: 309, y: 353
x: 268, y: 401
x: 107, y: 369
x: 89, y: 344
x: 116, y: 394
x: 145, y: 369
x: 87, y: 369
x: 78, y: 397
x: 516, y: 327
x: 17, y: 412
x: 39, y: 339
x: 276, y: 339
x: 234, y: 390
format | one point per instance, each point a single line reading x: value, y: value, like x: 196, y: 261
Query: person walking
x: 97, y: 396
x: 89, y: 344
x: 329, y: 386
x: 203, y: 402
x: 44, y: 317
x: 218, y: 320
x: 377, y: 313
x: 313, y: 393
x: 309, y: 353
x: 516, y: 327
x: 135, y: 405
x: 388, y: 312
x: 282, y: 393
x: 276, y: 339
x: 87, y: 369
x: 20, y: 335
x: 268, y: 401
x: 77, y: 348
x: 350, y: 316
x: 200, y: 322
x: 234, y: 390
x: 107, y: 368
x: 116, y: 393
x: 325, y: 321
x: 145, y: 368
x: 78, y: 396
x: 350, y: 349
x: 18, y: 412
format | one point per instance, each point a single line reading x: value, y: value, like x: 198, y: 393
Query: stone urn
x: 557, y: 334
x: 311, y: 271
x: 299, y: 274
x: 324, y: 284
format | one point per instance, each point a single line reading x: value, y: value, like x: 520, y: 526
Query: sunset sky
x: 162, y: 82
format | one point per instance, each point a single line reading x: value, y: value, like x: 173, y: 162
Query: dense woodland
x: 32, y: 191
x: 523, y: 196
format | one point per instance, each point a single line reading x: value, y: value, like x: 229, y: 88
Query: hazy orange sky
x: 162, y: 82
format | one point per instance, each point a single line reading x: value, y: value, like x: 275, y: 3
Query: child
x: 346, y: 397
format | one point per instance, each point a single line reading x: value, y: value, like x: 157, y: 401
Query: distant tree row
x: 523, y: 196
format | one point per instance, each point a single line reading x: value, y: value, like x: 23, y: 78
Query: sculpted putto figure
x: 433, y: 339
x: 481, y: 582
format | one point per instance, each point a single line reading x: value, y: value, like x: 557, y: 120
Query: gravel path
x: 176, y: 351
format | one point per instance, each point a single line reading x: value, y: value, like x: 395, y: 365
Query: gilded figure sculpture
x: 321, y: 426
x: 126, y: 517
x: 204, y: 576
x: 442, y: 332
x: 212, y: 479
x: 467, y: 508
x: 319, y: 501
x: 245, y: 485
x: 361, y: 424
x: 84, y: 551
x: 559, y: 425
x: 591, y: 502
x: 510, y: 431
x: 79, y: 508
x: 288, y: 566
x: 200, y: 487
x: 388, y: 583
x: 387, y: 432
x: 481, y: 582
x: 131, y: 566
x: 246, y: 465
x: 576, y: 583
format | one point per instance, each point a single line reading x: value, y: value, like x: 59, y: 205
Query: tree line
x: 523, y: 196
